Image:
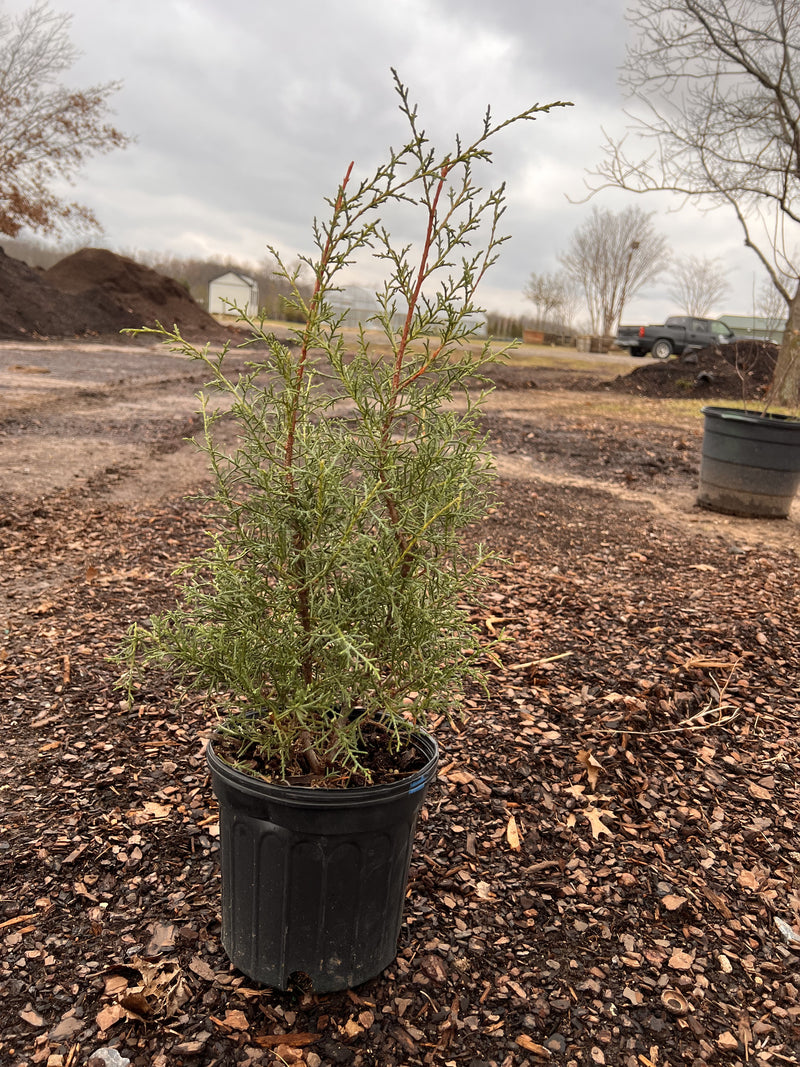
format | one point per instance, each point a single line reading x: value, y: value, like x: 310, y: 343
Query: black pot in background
x: 314, y: 880
x: 750, y: 464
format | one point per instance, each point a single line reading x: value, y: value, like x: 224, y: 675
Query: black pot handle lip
x: 742, y: 415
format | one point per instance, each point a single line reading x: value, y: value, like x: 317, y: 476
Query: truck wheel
x: 638, y: 353
x: 662, y: 349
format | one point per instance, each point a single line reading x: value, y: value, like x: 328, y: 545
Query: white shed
x: 232, y: 288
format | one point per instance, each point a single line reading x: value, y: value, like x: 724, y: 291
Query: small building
x: 232, y: 289
x: 756, y: 326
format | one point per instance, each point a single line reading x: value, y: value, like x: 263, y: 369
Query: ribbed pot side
x: 314, y: 880
x: 750, y: 463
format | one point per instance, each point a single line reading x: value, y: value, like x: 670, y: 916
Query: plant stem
x: 315, y: 763
x: 400, y: 354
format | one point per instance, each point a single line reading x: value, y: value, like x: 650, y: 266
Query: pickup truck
x: 679, y: 334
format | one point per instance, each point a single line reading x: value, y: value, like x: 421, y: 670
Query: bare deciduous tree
x: 47, y: 131
x: 611, y: 257
x: 715, y: 97
x: 698, y: 284
x: 771, y: 307
x: 553, y: 296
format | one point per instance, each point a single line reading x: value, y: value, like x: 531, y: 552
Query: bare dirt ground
x: 607, y: 870
x: 117, y: 417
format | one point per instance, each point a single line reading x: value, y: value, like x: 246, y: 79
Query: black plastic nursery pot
x: 314, y: 880
x: 750, y: 463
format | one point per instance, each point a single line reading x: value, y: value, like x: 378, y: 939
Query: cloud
x: 246, y: 115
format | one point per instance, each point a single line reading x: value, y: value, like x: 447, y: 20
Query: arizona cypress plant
x: 326, y: 617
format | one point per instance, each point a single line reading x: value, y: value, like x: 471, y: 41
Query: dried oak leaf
x: 160, y: 992
x: 594, y: 815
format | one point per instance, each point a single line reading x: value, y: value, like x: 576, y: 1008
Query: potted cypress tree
x: 750, y: 463
x: 325, y: 619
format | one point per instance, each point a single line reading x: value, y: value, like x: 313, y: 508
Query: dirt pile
x: 741, y: 370
x: 31, y: 308
x: 95, y: 293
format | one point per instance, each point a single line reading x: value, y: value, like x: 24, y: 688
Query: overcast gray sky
x: 246, y: 115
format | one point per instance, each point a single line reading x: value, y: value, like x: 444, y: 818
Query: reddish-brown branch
x: 302, y: 360
x: 397, y: 383
x: 412, y: 304
x: 303, y: 605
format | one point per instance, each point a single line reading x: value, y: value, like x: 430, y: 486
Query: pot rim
x: 773, y: 418
x: 308, y: 796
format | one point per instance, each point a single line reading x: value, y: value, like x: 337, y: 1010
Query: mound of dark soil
x: 31, y: 308
x: 94, y: 293
x: 743, y: 369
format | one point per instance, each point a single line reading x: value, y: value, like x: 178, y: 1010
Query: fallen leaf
x: 598, y: 826
x: 109, y: 1015
x: 115, y: 984
x: 162, y: 938
x: 66, y: 1029
x: 43, y: 608
x: 161, y: 991
x: 512, y: 834
x: 591, y: 765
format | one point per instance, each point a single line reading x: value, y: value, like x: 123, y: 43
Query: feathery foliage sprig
x: 331, y: 594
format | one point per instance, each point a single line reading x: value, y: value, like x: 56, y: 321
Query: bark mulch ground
x: 605, y: 872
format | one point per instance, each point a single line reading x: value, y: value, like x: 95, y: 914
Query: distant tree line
x: 609, y: 259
